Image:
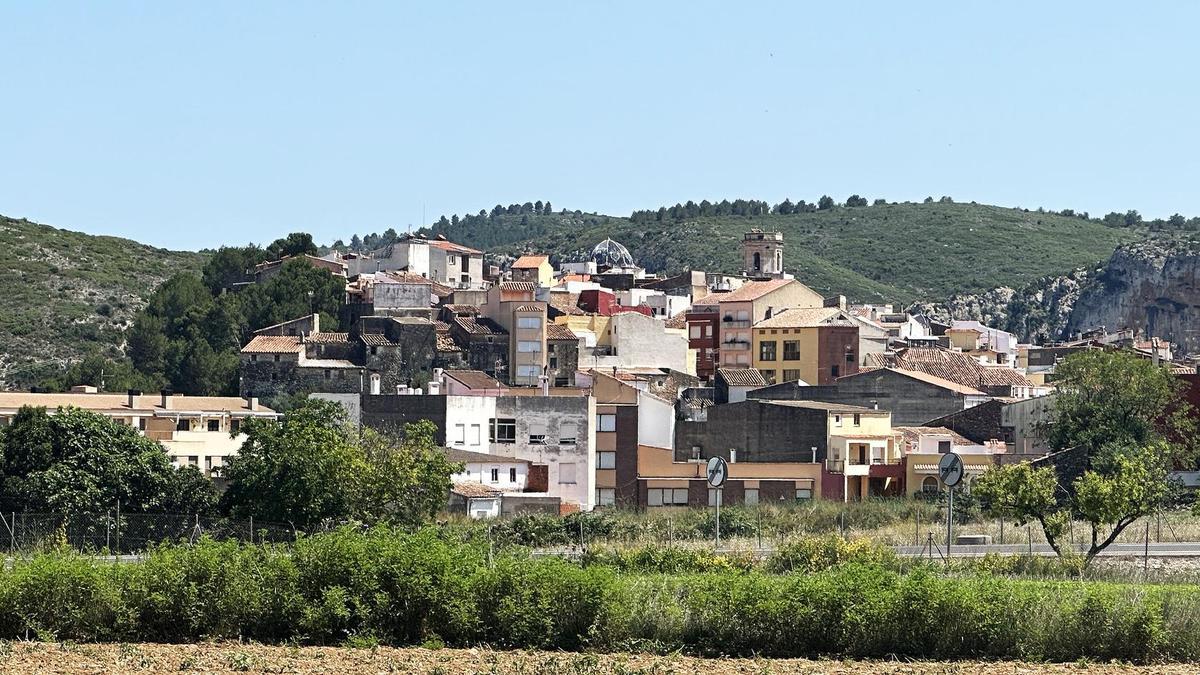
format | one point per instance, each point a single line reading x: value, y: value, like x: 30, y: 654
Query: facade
x: 635, y: 340
x: 754, y: 301
x: 265, y: 271
x: 535, y: 269
x: 201, y: 431
x: 704, y: 335
x: 437, y: 259
x: 813, y: 346
x: 762, y: 254
x: 511, y: 304
x: 953, y: 365
x: 497, y: 475
x: 627, y: 418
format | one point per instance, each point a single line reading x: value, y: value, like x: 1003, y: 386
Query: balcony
x: 849, y: 469
x: 735, y: 345
x: 730, y: 322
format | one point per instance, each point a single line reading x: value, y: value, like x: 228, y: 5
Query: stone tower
x: 762, y: 254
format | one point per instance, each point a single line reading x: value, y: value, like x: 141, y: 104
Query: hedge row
x: 406, y: 589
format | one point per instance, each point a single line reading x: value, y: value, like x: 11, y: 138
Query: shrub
x: 813, y: 554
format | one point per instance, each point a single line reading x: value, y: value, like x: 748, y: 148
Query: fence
x: 128, y: 533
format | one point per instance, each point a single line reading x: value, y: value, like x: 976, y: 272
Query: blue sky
x: 215, y: 123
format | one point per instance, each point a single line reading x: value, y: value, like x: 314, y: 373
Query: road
x: 1187, y: 549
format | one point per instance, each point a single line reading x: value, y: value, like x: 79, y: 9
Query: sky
x: 192, y: 125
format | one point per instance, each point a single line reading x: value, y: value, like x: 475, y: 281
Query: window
x: 751, y: 496
x: 475, y: 433
x: 503, y: 431
x: 214, y: 425
x: 743, y: 315
x: 834, y: 371
x: 328, y: 373
x: 142, y: 424
x: 460, y: 434
x: 182, y: 425
x: 743, y: 359
x: 837, y: 420
x: 791, y: 350
x: 234, y: 425
x: 667, y: 497
x: 849, y: 357
x: 606, y: 459
x: 276, y: 358
x: 194, y: 460
x: 929, y: 485
x: 803, y: 494
x: 529, y: 346
x: 495, y: 475
x: 254, y: 358
x: 529, y: 371
x: 714, y: 496
x: 606, y: 496
x: 696, y: 331
x: 531, y: 322
x: 566, y: 433
x: 766, y: 350
x: 791, y: 375
x: 566, y: 473
x: 768, y: 375
x: 537, y: 439
x: 208, y: 464
x: 606, y: 422
x: 857, y: 419
x: 512, y: 474
x: 943, y: 447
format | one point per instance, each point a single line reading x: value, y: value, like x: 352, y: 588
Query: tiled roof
x: 530, y: 261
x: 474, y: 490
x: 518, y: 286
x: 461, y: 308
x: 10, y: 400
x: 406, y: 278
x: 923, y: 377
x: 328, y: 338
x: 742, y: 377
x: 468, y: 456
x: 677, y: 321
x: 808, y: 317
x: 452, y: 247
x: 530, y: 308
x: 273, y: 344
x: 567, y: 303
x: 479, y: 325
x: 475, y: 379
x: 557, y: 331
x: 914, y: 434
x: 951, y: 365
x: 445, y: 343
x: 376, y: 340
x: 751, y: 290
x: 281, y: 324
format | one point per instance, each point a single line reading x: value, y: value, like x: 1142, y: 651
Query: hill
x: 900, y: 252
x: 65, y: 295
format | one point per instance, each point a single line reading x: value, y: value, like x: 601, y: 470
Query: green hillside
x: 892, y: 252
x: 65, y: 295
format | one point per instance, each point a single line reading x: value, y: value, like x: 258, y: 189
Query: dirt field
x: 33, y: 657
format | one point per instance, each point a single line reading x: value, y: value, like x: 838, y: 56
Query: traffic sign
x: 950, y: 469
x: 718, y: 471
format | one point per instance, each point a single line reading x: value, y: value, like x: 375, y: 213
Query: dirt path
x: 32, y: 657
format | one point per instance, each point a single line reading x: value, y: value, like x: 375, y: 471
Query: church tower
x: 762, y: 254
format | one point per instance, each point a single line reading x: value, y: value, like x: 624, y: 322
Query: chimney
x: 132, y: 396
x: 544, y: 381
x: 165, y: 395
x: 253, y: 403
x: 375, y: 380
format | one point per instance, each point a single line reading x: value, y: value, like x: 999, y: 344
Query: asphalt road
x: 1187, y: 549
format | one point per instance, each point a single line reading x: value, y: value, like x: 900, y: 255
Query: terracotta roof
x: 557, y: 331
x: 475, y: 379
x: 518, y: 286
x: 567, y: 303
x: 459, y: 308
x: 530, y: 261
x: 445, y: 343
x: 144, y: 402
x: 440, y: 326
x: 480, y: 325
x: 677, y: 321
x: 913, y: 434
x: 452, y: 247
x: 751, y: 290
x: 441, y: 290
x: 742, y: 377
x: 530, y: 308
x: 376, y: 340
x: 405, y: 278
x: 924, y: 377
x: 460, y: 455
x: 273, y: 344
x: 951, y: 365
x: 807, y: 317
x: 328, y: 338
x: 473, y: 490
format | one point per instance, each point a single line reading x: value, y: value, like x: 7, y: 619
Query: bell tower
x: 762, y: 254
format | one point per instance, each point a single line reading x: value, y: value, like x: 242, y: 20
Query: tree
x: 80, y: 462
x: 548, y: 209
x: 356, y: 243
x: 825, y: 203
x: 855, y: 200
x: 296, y: 243
x: 879, y: 202
x: 228, y: 266
x: 313, y: 466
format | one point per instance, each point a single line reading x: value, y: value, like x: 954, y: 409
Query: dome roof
x: 609, y: 253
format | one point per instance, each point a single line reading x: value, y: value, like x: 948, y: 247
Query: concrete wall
x: 1023, y: 418
x: 911, y: 402
x: 397, y: 296
x: 759, y: 431
x: 549, y: 415
x: 640, y: 341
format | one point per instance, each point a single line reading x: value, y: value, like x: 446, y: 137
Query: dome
x: 609, y: 253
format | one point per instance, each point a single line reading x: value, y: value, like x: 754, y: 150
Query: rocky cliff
x: 1149, y: 285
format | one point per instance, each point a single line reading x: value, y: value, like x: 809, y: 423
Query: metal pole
x: 1146, y: 551
x: 1002, y: 530
x: 108, y: 531
x: 118, y: 528
x: 918, y: 531
x: 949, y: 524
x: 251, y: 529
x: 1029, y: 534
x: 758, y: 509
x: 718, y: 546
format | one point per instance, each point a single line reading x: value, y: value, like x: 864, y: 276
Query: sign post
x: 950, y: 470
x: 718, y: 471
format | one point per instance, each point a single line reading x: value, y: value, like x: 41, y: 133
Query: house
x: 485, y: 481
x: 842, y: 452
x: 535, y: 269
x: 1018, y: 424
x: 913, y: 397
x: 511, y: 304
x: 815, y: 345
x: 391, y: 294
x: 753, y: 302
x: 266, y: 270
x: 474, y: 499
x: 990, y: 345
x: 732, y: 385
x: 923, y: 447
x: 484, y: 343
x: 469, y: 383
x: 634, y: 340
x: 704, y: 335
x: 562, y: 363
x: 201, y: 431
x: 996, y: 380
x: 437, y: 259
x: 627, y: 418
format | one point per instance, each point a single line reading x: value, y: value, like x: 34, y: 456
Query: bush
x: 814, y: 554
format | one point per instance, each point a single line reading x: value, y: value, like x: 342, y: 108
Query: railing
x: 120, y: 532
x: 736, y: 323
x: 735, y: 345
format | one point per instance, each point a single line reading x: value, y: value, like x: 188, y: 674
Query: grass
x: 65, y: 295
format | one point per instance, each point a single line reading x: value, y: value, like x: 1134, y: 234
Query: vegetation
x: 1121, y: 427
x: 66, y: 295
x: 314, y: 466
x: 388, y: 587
x: 77, y: 462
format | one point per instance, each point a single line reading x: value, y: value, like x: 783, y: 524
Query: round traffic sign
x: 718, y: 471
x: 950, y: 469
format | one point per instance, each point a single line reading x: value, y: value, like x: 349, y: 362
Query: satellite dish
x: 718, y: 471
x: 950, y: 469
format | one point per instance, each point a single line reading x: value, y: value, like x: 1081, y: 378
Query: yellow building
x: 921, y: 470
x: 815, y: 345
x: 534, y: 268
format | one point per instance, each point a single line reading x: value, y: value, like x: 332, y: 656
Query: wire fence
x: 129, y: 533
